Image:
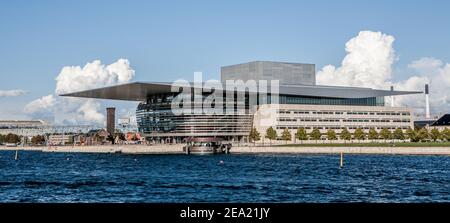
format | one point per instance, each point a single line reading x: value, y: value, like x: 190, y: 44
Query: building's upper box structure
x: 286, y: 73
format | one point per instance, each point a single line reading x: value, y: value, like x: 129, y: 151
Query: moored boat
x: 205, y: 146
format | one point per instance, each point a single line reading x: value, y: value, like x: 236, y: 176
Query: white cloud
x: 75, y: 78
x: 368, y: 63
x: 12, y: 93
x: 437, y: 74
x: 426, y: 65
x: 42, y: 108
x: 93, y: 75
x: 90, y: 111
x: 41, y: 104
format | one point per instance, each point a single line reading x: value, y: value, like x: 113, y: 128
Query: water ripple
x: 51, y: 177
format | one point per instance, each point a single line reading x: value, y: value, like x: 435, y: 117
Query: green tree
x: 2, y: 139
x: 301, y: 134
x: 315, y: 134
x: 398, y: 134
x: 12, y: 138
x: 446, y: 134
x: 271, y: 134
x: 254, y: 135
x: 110, y: 138
x: 423, y: 135
x: 435, y: 134
x: 119, y: 135
x: 286, y: 135
x: 359, y: 134
x: 345, y: 135
x: 331, y: 134
x: 411, y: 134
x: 37, y: 140
x: 373, y: 134
x: 385, y: 134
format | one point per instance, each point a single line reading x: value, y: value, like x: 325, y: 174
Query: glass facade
x: 288, y: 99
x: 155, y: 118
x: 285, y: 73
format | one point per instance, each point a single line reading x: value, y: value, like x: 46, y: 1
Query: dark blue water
x: 59, y: 177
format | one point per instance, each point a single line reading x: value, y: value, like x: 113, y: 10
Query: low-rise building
x: 93, y: 137
x: 60, y: 139
x: 334, y: 117
x: 442, y: 123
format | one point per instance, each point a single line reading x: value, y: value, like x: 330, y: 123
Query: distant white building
x: 60, y: 139
x: 21, y: 127
x: 127, y: 124
x: 38, y: 127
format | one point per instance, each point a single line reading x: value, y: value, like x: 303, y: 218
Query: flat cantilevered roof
x: 139, y: 91
x: 442, y: 121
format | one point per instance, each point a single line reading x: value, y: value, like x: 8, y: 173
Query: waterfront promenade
x: 177, y: 149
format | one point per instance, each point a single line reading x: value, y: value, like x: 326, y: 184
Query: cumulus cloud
x: 75, y: 78
x: 434, y: 72
x: 12, y: 93
x: 42, y: 108
x: 40, y: 104
x: 90, y: 111
x: 368, y: 63
x: 93, y: 75
x: 426, y: 65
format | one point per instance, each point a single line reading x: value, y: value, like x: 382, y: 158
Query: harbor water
x: 81, y: 177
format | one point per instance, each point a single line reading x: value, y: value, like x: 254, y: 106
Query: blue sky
x: 166, y: 40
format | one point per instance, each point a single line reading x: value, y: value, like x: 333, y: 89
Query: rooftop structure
x: 140, y: 91
x: 286, y: 73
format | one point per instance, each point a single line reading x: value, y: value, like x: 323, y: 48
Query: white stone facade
x: 325, y: 117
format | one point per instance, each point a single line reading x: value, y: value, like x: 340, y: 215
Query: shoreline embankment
x: 346, y: 150
x: 126, y: 149
x: 178, y: 149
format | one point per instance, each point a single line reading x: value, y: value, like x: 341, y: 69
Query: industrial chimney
x: 427, y: 102
x: 392, y: 97
x: 111, y: 120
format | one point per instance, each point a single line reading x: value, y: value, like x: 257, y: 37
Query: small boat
x: 205, y: 146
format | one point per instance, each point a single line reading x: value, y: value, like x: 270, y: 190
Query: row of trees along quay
x: 15, y: 139
x: 420, y: 135
x: 39, y: 140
